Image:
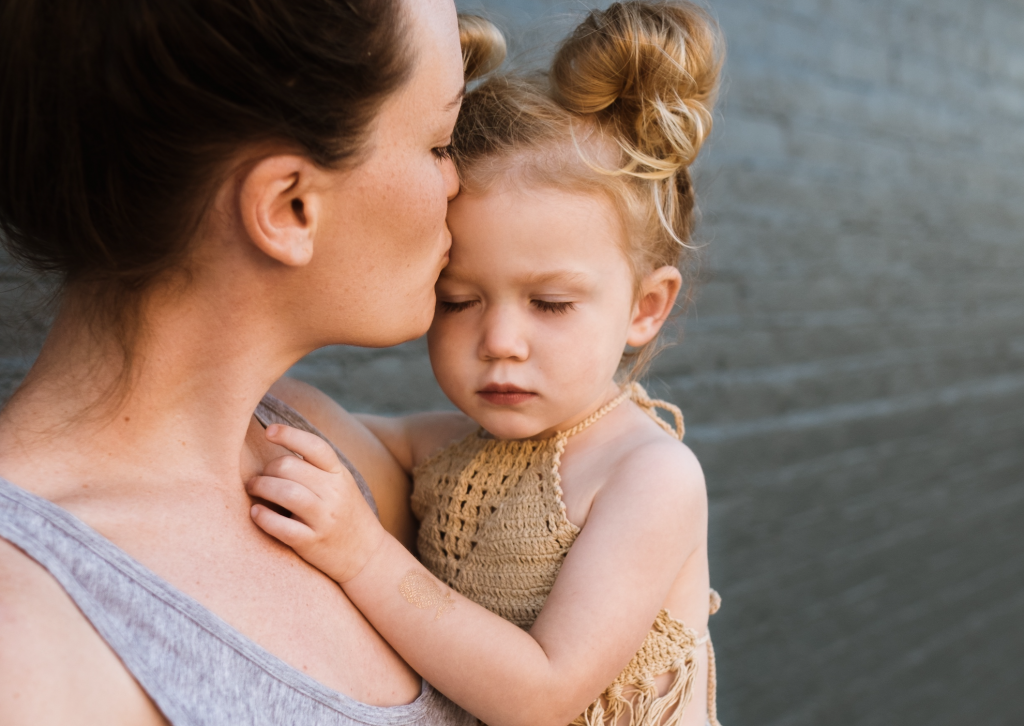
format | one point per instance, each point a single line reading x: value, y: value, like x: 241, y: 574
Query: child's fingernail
x: 252, y: 512
x: 272, y: 429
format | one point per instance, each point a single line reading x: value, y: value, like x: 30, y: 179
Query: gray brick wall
x: 853, y: 369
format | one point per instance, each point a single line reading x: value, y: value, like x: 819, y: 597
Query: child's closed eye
x: 549, y: 306
x: 447, y: 306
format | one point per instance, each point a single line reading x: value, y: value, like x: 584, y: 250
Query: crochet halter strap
x: 634, y: 392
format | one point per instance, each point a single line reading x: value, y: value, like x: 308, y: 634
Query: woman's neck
x: 181, y: 416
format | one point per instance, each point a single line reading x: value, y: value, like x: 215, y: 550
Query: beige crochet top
x: 493, y: 526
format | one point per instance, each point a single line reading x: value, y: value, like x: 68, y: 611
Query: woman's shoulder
x: 382, y: 472
x: 316, y: 406
x: 54, y: 666
x: 342, y: 428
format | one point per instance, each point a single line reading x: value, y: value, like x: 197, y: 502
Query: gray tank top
x: 197, y: 669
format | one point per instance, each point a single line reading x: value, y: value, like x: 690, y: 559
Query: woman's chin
x: 399, y: 331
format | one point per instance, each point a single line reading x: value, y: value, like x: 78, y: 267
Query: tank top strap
x: 273, y: 410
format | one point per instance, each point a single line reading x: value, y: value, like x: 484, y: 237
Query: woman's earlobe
x: 278, y: 208
x: 658, y: 294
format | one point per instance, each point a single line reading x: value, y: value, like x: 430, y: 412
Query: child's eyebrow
x: 562, y: 277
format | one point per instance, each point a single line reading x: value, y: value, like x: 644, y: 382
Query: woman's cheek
x: 417, y: 208
x: 434, y: 198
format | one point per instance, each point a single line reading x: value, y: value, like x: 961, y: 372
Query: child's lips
x: 505, y: 394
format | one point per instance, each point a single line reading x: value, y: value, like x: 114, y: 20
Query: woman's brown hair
x: 118, y: 116
x: 624, y: 110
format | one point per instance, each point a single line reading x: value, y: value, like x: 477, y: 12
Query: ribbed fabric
x: 197, y: 669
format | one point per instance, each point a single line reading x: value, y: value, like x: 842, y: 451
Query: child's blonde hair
x: 624, y: 110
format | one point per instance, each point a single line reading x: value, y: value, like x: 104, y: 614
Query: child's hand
x: 331, y: 527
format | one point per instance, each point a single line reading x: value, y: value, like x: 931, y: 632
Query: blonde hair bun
x: 651, y: 69
x: 483, y: 46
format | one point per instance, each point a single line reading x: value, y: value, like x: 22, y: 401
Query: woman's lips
x: 505, y: 395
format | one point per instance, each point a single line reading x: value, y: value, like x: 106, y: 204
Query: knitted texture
x: 493, y: 527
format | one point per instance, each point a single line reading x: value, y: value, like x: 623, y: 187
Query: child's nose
x: 503, y: 337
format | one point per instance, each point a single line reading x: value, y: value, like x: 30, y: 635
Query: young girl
x: 562, y: 523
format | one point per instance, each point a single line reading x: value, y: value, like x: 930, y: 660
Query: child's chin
x: 509, y: 426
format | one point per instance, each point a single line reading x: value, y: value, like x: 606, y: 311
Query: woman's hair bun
x: 483, y: 46
x: 651, y: 70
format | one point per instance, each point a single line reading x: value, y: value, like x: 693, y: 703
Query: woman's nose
x: 503, y: 338
x: 451, y: 179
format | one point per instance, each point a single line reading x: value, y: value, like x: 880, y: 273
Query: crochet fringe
x: 642, y: 702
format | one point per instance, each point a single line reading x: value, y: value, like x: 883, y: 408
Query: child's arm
x: 638, y: 535
x: 412, y: 439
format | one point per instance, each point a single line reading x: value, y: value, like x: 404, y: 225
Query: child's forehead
x: 543, y: 223
x: 531, y: 235
x: 525, y: 202
x: 579, y: 159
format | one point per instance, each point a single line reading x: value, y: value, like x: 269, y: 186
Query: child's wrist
x: 366, y: 549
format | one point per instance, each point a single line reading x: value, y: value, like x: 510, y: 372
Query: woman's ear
x: 658, y: 293
x: 280, y: 208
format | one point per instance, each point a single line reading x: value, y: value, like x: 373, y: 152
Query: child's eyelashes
x: 448, y: 306
x: 443, y: 152
x: 547, y: 306
x: 553, y: 307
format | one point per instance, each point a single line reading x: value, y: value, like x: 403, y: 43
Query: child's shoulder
x: 660, y: 458
x: 651, y: 492
x: 654, y: 468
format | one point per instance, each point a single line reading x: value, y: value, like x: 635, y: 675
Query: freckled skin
x: 356, y: 266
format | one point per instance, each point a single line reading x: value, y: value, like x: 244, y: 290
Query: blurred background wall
x: 853, y: 369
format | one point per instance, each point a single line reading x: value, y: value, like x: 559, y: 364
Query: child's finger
x: 289, y: 531
x: 309, y: 446
x: 322, y: 484
x: 294, y: 497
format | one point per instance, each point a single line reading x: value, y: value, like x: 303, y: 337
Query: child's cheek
x: 450, y: 354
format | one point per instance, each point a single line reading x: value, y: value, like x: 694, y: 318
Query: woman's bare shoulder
x: 362, y: 448
x: 382, y: 472
x: 427, y: 432
x: 54, y: 667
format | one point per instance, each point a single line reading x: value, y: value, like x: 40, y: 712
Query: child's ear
x: 280, y: 208
x: 658, y: 293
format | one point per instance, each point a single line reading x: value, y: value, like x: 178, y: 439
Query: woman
x: 225, y: 186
